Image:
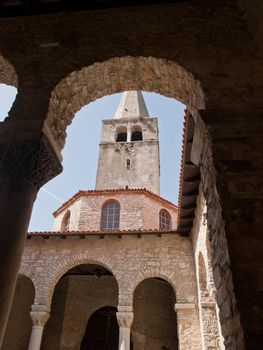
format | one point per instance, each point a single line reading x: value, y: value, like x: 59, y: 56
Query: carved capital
x: 28, y: 162
x: 39, y: 318
x: 124, y: 319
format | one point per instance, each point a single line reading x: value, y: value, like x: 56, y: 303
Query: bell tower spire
x: 129, y: 148
x: 131, y: 105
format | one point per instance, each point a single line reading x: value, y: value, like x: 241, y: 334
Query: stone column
x: 39, y: 315
x: 124, y: 318
x: 25, y: 166
x: 209, y: 323
x: 188, y: 328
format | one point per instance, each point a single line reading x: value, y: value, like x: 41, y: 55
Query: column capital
x: 39, y: 314
x: 29, y: 160
x: 39, y: 318
x: 125, y: 319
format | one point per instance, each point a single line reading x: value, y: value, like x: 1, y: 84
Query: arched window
x: 121, y: 134
x: 136, y: 133
x: 110, y: 216
x: 164, y: 220
x: 65, y: 221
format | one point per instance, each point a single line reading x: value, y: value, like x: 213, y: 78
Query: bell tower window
x: 136, y: 133
x: 121, y: 135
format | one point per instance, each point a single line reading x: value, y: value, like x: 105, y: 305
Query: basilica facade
x: 116, y: 271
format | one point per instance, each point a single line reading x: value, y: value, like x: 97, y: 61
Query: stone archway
x: 155, y: 322
x: 19, y: 324
x: 115, y: 75
x: 81, y: 291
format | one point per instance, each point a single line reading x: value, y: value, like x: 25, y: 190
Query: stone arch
x: 8, y: 74
x: 115, y: 75
x: 154, y: 296
x: 150, y: 272
x: 45, y: 289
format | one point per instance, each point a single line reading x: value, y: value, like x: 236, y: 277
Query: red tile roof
x: 111, y: 191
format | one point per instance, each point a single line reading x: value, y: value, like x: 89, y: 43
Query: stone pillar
x: 124, y: 318
x: 39, y: 315
x: 188, y: 326
x: 25, y: 166
x: 209, y: 324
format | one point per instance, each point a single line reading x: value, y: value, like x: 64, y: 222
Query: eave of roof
x: 101, y: 234
x: 189, y: 179
x: 83, y: 193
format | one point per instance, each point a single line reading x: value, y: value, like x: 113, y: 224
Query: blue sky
x: 80, y: 154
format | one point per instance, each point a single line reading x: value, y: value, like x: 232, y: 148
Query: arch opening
x: 121, y: 134
x: 120, y: 74
x: 79, y: 293
x: 136, y: 134
x: 102, y: 330
x: 154, y: 296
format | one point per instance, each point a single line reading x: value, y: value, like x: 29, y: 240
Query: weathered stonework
x: 115, y: 75
x: 226, y: 301
x: 139, y: 211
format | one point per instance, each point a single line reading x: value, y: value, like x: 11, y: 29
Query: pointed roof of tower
x: 131, y: 105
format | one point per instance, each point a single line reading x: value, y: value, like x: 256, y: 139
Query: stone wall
x: 208, y: 309
x: 220, y: 260
x: 130, y: 259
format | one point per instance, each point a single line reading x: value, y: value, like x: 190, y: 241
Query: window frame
x: 164, y: 218
x: 104, y: 220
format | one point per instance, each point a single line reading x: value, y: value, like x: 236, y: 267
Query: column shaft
x: 15, y: 211
x: 36, y: 338
x: 124, y: 338
x: 25, y: 166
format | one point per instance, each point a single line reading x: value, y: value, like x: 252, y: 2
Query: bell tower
x: 129, y: 148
